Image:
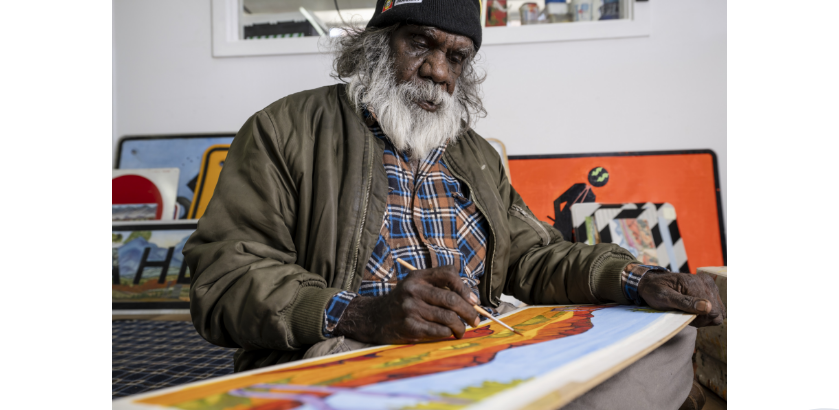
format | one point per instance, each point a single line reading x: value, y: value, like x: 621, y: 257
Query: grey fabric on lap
x: 660, y: 380
x: 149, y: 355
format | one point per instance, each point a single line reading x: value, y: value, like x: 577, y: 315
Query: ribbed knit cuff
x: 606, y: 281
x: 306, y: 315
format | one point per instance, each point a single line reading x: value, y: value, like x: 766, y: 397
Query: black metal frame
x: 152, y: 226
x: 163, y: 137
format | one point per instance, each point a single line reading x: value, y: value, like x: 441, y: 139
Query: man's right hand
x: 426, y: 305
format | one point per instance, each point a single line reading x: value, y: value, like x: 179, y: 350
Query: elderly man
x: 323, y: 190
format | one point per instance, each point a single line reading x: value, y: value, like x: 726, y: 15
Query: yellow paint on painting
x: 460, y: 346
x: 472, y: 393
x: 387, y: 358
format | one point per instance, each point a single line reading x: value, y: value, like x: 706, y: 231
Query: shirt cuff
x: 334, y: 310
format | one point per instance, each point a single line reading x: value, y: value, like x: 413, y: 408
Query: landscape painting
x: 564, y: 352
x: 147, y: 265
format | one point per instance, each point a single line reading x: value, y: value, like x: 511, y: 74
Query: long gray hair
x: 362, y: 52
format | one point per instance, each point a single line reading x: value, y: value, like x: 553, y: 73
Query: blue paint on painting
x: 610, y: 325
x: 184, y: 153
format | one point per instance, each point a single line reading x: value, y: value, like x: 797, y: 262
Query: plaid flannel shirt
x: 429, y: 221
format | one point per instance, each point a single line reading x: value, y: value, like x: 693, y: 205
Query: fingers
x: 448, y: 300
x: 421, y: 330
x: 712, y: 319
x: 444, y: 317
x: 447, y: 277
x: 696, y: 294
x: 711, y: 285
x: 442, y: 298
x: 687, y: 303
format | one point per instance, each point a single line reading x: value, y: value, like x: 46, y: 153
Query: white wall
x: 663, y: 92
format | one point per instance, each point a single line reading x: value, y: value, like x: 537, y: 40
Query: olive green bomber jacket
x: 299, y: 206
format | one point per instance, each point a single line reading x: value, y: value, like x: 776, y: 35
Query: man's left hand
x: 696, y: 294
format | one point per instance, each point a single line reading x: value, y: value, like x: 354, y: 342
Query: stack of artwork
x: 565, y: 351
x: 160, y: 187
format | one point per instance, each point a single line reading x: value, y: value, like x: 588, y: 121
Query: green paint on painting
x: 470, y: 393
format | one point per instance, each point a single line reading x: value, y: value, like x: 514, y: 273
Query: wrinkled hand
x: 696, y: 294
x: 419, y: 308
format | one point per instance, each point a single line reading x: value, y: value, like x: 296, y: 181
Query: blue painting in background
x: 182, y: 152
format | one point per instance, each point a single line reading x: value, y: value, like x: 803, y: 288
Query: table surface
x: 152, y: 354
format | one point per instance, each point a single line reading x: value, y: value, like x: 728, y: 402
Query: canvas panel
x: 565, y: 349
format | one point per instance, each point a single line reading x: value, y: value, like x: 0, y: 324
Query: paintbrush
x: 478, y: 308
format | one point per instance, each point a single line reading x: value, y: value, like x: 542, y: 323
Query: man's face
x: 423, y: 53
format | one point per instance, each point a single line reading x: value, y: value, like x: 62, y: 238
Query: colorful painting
x: 593, y: 223
x: 496, y: 13
x: 148, y: 269
x: 598, y: 214
x: 688, y: 180
x: 635, y: 236
x: 184, y: 152
x: 564, y: 352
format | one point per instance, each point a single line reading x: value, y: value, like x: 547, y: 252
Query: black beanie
x: 454, y: 16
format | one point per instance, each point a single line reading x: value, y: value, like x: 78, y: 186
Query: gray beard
x: 410, y: 128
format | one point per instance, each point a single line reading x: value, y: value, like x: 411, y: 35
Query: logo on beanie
x: 390, y: 3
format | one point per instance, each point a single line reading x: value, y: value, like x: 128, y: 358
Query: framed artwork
x: 686, y: 180
x: 597, y: 223
x: 564, y: 352
x: 144, y: 194
x: 148, y: 270
x: 496, y: 13
x: 211, y: 166
x: 185, y: 152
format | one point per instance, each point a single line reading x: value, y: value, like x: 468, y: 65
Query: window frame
x: 227, y: 42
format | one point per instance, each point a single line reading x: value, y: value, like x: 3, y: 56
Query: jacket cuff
x: 606, y: 281
x: 307, y: 314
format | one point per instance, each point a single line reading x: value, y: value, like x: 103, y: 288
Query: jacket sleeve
x: 546, y: 269
x: 246, y: 289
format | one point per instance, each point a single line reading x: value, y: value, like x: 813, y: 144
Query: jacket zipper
x: 534, y: 220
x: 488, y: 270
x: 363, y: 215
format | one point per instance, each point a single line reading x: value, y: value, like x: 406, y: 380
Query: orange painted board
x: 686, y: 179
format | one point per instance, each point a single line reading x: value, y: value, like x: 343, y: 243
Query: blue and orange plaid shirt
x: 429, y: 221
